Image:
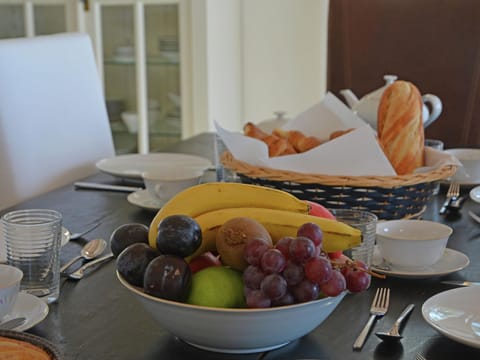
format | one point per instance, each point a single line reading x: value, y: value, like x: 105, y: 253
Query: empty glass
x: 437, y: 145
x: 364, y: 221
x: 33, y: 239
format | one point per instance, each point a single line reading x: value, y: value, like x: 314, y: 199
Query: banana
x: 207, y: 197
x: 279, y: 223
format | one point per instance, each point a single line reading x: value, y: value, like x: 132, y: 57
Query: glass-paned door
x: 20, y: 18
x: 141, y: 71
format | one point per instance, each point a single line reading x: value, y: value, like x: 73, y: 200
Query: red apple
x: 321, y: 211
x: 203, y: 261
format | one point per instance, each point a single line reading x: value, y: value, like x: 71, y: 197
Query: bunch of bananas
x: 212, y: 204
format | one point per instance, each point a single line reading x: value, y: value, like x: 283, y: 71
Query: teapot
x: 367, y: 106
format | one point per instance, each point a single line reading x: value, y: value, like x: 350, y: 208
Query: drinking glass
x: 33, y: 239
x: 437, y: 145
x: 223, y: 174
x: 364, y: 221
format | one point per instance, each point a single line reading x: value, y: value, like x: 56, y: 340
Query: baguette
x: 400, y: 126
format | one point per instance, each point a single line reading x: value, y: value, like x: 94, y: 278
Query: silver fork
x: 453, y: 193
x: 378, y: 308
x: 419, y: 357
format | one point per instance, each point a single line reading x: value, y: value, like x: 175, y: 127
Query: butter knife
x: 80, y: 273
x: 12, y: 324
x: 99, y: 186
x: 462, y: 283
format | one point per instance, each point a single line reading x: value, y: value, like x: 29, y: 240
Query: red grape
x: 286, y: 299
x: 272, y: 261
x: 305, y: 291
x: 254, y: 250
x: 301, y: 249
x: 357, y: 280
x: 274, y: 286
x: 293, y: 273
x: 253, y: 276
x: 335, y: 285
x: 318, y: 270
x: 257, y: 299
x: 311, y: 231
x: 283, y: 245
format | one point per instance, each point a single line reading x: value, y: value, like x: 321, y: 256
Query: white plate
x: 469, y: 173
x: 3, y: 251
x: 31, y: 308
x: 450, y: 262
x: 455, y: 313
x: 475, y: 194
x: 133, y: 165
x: 143, y: 199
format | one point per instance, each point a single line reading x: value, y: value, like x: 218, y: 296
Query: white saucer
x: 31, y: 308
x: 450, y: 262
x: 475, y: 194
x: 3, y: 251
x: 143, y: 199
x: 455, y: 314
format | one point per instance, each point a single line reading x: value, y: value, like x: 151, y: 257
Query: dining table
x: 97, y: 318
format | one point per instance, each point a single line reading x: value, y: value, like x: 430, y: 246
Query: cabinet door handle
x: 86, y: 5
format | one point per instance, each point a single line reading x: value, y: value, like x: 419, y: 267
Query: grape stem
x: 352, y: 264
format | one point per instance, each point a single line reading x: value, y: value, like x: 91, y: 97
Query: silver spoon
x: 12, y: 324
x: 394, y: 333
x: 90, y: 251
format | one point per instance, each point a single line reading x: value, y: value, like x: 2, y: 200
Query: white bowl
x: 412, y: 243
x: 10, y: 278
x: 238, y: 331
x: 131, y: 121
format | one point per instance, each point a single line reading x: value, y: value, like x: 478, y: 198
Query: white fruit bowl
x: 236, y: 331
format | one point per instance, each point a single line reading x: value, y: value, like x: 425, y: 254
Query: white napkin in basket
x: 354, y: 154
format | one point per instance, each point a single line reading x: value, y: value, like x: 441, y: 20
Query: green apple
x: 217, y: 286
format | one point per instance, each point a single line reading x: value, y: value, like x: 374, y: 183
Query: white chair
x: 53, y: 119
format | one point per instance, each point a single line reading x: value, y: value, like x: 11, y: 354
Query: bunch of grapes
x: 297, y: 270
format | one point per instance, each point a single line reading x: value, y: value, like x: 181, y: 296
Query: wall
x: 261, y: 56
x: 285, y: 44
x: 224, y: 70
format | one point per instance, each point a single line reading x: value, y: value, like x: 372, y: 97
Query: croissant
x: 299, y: 141
x: 339, y: 133
x: 282, y: 142
x: 278, y: 146
x: 400, y: 126
x: 252, y: 130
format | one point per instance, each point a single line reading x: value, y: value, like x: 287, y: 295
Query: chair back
x: 53, y: 119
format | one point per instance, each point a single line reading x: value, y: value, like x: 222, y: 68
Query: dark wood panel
x: 433, y: 43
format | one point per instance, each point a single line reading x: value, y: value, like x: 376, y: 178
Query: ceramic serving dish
x: 236, y: 330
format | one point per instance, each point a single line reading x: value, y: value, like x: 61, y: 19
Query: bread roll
x: 400, y: 126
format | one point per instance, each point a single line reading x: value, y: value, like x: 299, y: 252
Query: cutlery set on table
x: 378, y: 309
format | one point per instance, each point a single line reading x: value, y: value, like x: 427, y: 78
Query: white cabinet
x: 137, y: 45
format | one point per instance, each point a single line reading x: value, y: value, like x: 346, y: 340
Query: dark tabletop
x: 96, y: 318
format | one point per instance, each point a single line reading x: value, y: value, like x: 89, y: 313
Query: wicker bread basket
x: 389, y: 197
